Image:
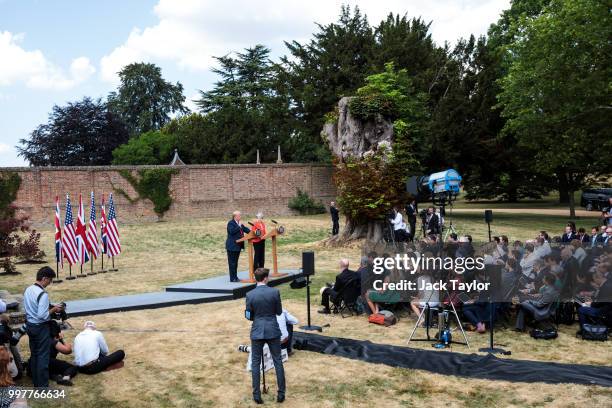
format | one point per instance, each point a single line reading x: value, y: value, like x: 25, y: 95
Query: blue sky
x: 52, y: 52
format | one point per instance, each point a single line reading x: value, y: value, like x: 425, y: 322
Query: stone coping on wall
x: 164, y: 166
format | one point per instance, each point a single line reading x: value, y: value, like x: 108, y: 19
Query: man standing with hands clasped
x: 263, y: 304
x: 235, y: 231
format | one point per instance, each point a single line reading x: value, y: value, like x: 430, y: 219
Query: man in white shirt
x: 399, y: 226
x: 286, y: 321
x: 91, y: 352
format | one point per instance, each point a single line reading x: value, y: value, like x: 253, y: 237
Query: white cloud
x: 33, y: 69
x: 190, y: 32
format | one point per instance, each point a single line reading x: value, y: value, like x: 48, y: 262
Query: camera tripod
x: 425, y: 314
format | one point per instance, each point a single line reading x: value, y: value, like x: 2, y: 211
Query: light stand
x: 491, y: 349
x: 309, y: 326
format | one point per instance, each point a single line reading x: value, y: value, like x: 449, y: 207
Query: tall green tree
x: 144, y: 99
x: 245, y: 111
x: 334, y: 63
x: 82, y: 133
x: 556, y: 96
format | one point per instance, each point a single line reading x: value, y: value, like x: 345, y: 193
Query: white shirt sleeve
x: 2, y: 306
x: 102, y: 344
x: 291, y: 319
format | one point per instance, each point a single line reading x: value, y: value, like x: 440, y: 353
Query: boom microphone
x: 250, y: 223
x: 274, y: 221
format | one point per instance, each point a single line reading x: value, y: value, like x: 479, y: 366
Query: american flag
x: 83, y: 257
x: 104, y: 236
x: 58, y: 234
x: 112, y: 232
x: 69, y: 246
x: 92, y: 232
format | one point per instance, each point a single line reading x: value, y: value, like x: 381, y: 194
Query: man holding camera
x: 38, y: 315
x: 263, y: 305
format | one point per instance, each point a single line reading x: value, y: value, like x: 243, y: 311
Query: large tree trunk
x: 563, y: 189
x: 572, y: 204
x: 351, y: 137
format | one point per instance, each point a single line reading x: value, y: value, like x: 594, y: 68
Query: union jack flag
x: 92, y: 232
x: 112, y: 232
x: 104, y: 236
x: 69, y: 246
x: 83, y: 256
x: 58, y: 235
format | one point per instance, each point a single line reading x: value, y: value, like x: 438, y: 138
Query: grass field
x: 186, y: 356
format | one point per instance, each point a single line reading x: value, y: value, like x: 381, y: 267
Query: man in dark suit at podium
x: 235, y: 231
x: 263, y: 304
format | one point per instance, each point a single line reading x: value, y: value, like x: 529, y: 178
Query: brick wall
x: 197, y: 190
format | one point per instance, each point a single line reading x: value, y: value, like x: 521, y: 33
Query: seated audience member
x: 594, y: 237
x: 579, y: 252
x: 375, y: 298
x: 584, y: 284
x: 91, y: 352
x: 59, y: 370
x: 425, y: 296
x: 582, y: 236
x: 606, y: 237
x: 544, y: 235
x: 476, y: 311
x: 6, y: 340
x: 343, y: 280
x: 528, y: 260
x: 542, y: 247
x: 601, y: 307
x: 568, y: 235
x: 6, y: 382
x: 366, y: 274
x: 539, y: 306
x: 286, y: 321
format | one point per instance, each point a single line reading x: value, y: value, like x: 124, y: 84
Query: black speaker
x: 308, y: 266
x: 488, y: 216
x: 298, y: 283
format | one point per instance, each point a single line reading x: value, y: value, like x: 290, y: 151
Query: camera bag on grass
x: 594, y: 332
x: 545, y: 334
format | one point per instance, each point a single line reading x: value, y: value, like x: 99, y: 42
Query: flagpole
x: 102, y: 270
x: 113, y: 268
x: 57, y: 280
x: 91, y: 271
x: 70, y: 277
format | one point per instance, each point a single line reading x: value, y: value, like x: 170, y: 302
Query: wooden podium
x: 273, y: 233
x: 249, y: 243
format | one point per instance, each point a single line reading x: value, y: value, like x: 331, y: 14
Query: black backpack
x: 593, y: 332
x: 545, y: 334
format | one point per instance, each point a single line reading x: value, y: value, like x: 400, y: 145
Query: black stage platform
x: 215, y: 289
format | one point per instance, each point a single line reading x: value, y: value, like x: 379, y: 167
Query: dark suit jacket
x: 264, y: 304
x: 566, y: 238
x: 234, y: 232
x: 603, y: 301
x: 411, y: 213
x: 344, y: 278
x: 433, y: 225
x: 335, y: 214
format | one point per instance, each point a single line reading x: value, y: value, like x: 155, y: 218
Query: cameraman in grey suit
x: 263, y: 304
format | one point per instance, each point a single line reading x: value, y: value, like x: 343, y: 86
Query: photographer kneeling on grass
x: 91, y: 352
x: 59, y: 370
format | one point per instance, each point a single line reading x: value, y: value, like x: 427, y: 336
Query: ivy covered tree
x: 81, y: 133
x: 144, y: 99
x: 556, y: 95
x: 371, y: 182
x: 16, y: 237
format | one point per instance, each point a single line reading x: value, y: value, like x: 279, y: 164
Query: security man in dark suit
x: 411, y: 212
x: 263, y: 304
x: 432, y: 222
x: 235, y: 231
x: 335, y: 216
x: 568, y: 235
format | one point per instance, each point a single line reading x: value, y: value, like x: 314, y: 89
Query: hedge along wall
x: 196, y: 190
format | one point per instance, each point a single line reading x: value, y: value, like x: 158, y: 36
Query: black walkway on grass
x: 458, y: 364
x: 215, y: 289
